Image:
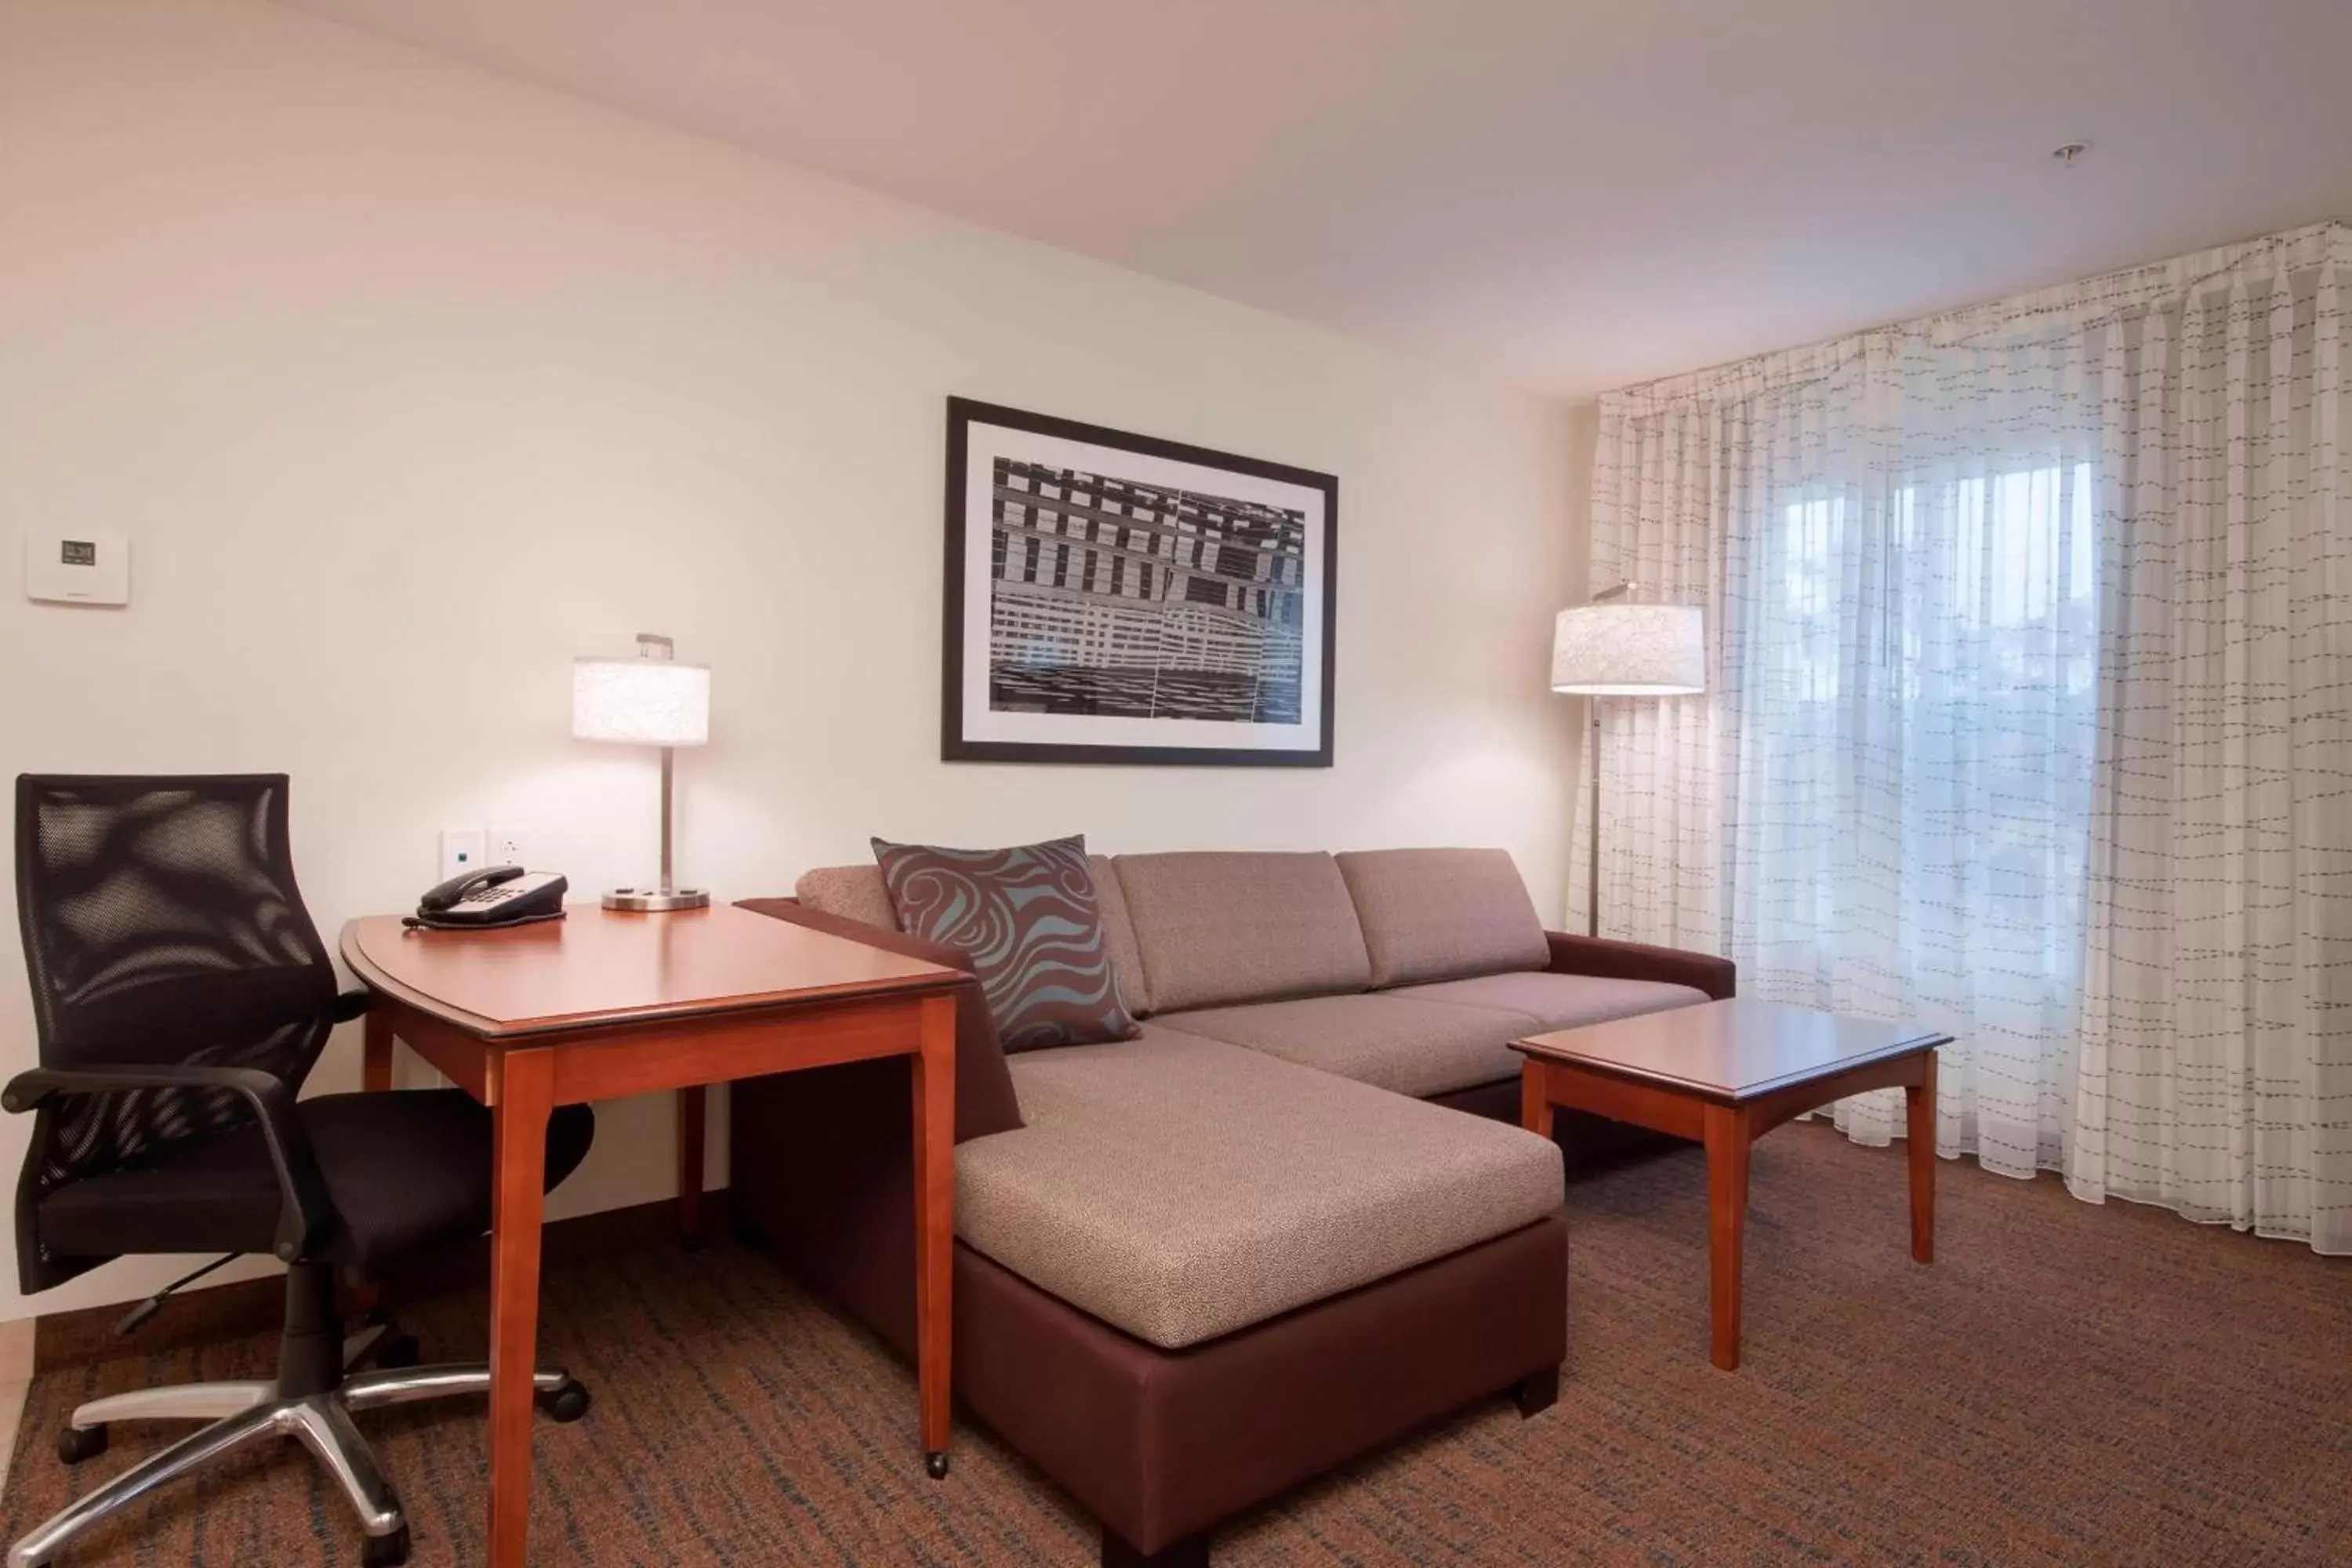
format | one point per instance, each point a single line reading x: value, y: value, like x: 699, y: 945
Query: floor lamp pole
x: 1592, y: 832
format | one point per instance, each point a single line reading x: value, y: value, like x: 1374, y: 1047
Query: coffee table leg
x: 1919, y: 1131
x: 1727, y: 1142
x: 1534, y: 1105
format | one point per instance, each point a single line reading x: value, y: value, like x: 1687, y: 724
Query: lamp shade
x: 644, y: 701
x: 1619, y: 649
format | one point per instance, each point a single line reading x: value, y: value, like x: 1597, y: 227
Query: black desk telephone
x: 493, y: 896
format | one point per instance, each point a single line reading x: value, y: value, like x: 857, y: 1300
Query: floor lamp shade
x: 650, y: 700
x: 1629, y: 650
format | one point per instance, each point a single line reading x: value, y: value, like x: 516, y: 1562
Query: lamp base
x: 653, y: 901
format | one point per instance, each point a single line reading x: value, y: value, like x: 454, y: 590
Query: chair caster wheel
x: 567, y: 1403
x: 76, y: 1444
x: 386, y: 1550
x: 937, y: 1464
x: 397, y: 1351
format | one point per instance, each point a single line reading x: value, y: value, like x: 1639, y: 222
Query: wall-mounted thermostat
x: 77, y: 567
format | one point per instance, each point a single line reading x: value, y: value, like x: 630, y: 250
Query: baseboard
x: 256, y: 1306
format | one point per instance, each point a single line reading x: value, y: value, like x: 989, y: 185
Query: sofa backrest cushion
x: 1120, y: 932
x: 1223, y: 927
x: 1029, y: 917
x: 1443, y: 914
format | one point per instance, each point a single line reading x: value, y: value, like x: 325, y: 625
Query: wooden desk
x: 606, y: 1004
x: 1726, y: 1073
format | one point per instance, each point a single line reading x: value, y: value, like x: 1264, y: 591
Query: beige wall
x: 410, y: 382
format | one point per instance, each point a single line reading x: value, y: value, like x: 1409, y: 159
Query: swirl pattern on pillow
x: 1029, y: 920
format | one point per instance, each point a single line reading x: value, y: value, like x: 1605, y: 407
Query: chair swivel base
x: 244, y: 1412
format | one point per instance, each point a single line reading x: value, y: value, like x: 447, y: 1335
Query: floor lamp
x: 1615, y: 646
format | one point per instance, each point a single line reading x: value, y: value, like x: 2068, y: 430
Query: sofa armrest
x: 985, y: 1100
x: 1639, y: 960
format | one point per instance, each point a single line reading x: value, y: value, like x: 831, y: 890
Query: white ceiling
x: 1570, y: 195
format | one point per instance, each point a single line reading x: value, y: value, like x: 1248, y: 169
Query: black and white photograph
x: 1117, y: 598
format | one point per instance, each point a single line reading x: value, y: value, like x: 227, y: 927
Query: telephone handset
x: 493, y: 896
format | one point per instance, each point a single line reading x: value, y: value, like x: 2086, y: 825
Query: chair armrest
x: 1638, y: 960
x: 349, y: 1005
x: 307, y: 1210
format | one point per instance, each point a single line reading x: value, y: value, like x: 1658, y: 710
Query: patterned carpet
x: 2069, y: 1385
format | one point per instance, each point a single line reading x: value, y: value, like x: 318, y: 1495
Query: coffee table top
x: 1732, y: 1050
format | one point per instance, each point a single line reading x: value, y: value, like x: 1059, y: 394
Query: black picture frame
x: 956, y: 743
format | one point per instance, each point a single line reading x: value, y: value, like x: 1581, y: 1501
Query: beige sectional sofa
x: 1257, y: 1201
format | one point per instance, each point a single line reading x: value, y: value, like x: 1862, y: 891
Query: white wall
x: 410, y: 382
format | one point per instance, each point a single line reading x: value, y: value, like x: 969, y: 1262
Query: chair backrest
x: 161, y: 924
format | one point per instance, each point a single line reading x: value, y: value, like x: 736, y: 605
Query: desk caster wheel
x: 567, y: 1403
x: 76, y: 1444
x: 937, y: 1464
x: 386, y: 1550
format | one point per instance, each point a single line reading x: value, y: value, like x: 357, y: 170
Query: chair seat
x: 405, y: 1172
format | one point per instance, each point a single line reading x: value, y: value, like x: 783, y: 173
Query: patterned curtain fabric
x: 2027, y: 715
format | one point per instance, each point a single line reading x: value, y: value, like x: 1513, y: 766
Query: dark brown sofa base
x: 1159, y: 1445
x: 1588, y: 1143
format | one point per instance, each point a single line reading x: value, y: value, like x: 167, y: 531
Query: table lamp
x: 1616, y: 647
x: 648, y: 700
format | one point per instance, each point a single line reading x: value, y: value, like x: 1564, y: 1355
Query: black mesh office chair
x: 182, y: 994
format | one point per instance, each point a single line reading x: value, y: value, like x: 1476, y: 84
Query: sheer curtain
x: 2216, y: 1069
x: 2006, y: 685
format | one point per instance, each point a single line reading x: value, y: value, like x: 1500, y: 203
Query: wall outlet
x: 510, y: 846
x: 462, y: 849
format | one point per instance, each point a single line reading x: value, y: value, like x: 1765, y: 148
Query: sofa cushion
x: 1181, y: 1188
x: 1440, y: 914
x: 1404, y: 1043
x: 1120, y: 932
x: 1558, y: 1001
x: 853, y: 892
x: 1029, y: 918
x: 1217, y: 927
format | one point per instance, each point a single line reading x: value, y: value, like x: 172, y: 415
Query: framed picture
x: 1114, y: 598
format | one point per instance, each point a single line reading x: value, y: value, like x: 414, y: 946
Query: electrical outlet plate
x: 510, y: 846
x: 462, y: 850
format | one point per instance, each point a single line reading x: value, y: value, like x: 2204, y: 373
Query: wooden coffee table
x: 1726, y: 1073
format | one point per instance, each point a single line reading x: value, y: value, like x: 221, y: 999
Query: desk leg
x: 1920, y: 1131
x: 693, y: 1109
x: 934, y: 1076
x: 1728, y: 1143
x: 375, y: 1049
x: 524, y: 1092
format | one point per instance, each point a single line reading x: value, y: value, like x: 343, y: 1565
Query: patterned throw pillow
x: 1030, y: 921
